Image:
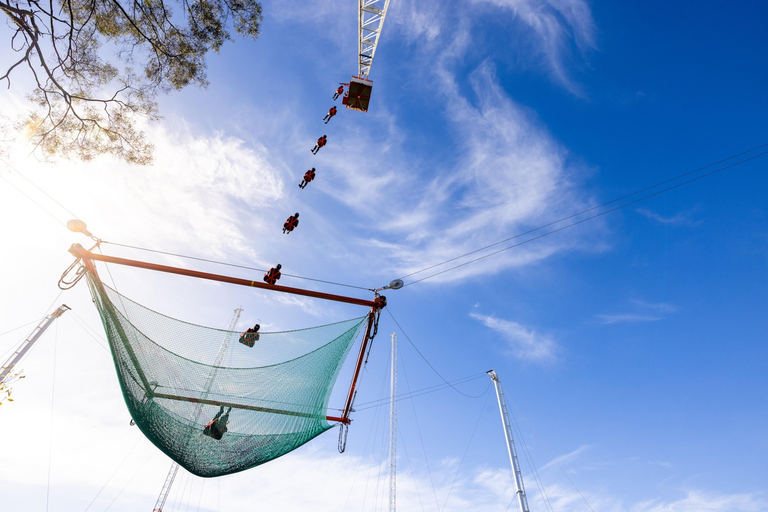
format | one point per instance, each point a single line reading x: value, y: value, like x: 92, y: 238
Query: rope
x: 425, y: 359
x: 35, y: 202
x: 587, y: 211
x: 152, y: 454
x: 53, y: 396
x: 410, y: 466
x: 113, y: 474
x: 89, y: 331
x: 418, y: 392
x: 38, y: 188
x: 551, y: 455
x: 531, y: 464
x: 365, y: 449
x: 479, y: 417
x: 216, y: 262
x: 418, y: 429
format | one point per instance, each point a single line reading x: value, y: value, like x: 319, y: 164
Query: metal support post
x: 393, y: 428
x: 522, y: 501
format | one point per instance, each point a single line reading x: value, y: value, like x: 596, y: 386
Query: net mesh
x: 278, y: 390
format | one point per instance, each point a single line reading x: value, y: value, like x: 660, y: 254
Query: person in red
x: 320, y: 143
x: 250, y: 336
x: 291, y: 223
x: 339, y: 92
x: 273, y: 275
x: 218, y: 425
x: 308, y: 176
x: 330, y: 114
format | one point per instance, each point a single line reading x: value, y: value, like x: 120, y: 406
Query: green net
x: 278, y: 390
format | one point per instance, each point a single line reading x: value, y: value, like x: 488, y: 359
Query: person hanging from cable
x: 273, y: 275
x: 330, y: 114
x: 308, y: 176
x: 339, y: 92
x: 320, y: 143
x: 251, y: 335
x: 291, y: 223
x: 218, y: 425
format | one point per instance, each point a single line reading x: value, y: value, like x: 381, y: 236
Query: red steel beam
x: 80, y: 252
x: 360, y: 358
x: 243, y: 406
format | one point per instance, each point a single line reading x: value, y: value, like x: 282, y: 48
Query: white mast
x: 166, y: 490
x: 522, y: 501
x: 393, y: 427
x: 20, y: 352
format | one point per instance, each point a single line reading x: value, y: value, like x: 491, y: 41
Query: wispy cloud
x: 523, y: 343
x: 557, y: 25
x: 627, y: 318
x: 511, y: 175
x: 697, y: 501
x: 679, y: 219
x: 661, y: 307
x: 644, y: 311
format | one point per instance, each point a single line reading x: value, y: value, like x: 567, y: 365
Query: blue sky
x: 631, y: 345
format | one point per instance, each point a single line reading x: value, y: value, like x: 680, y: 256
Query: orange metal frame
x: 379, y: 302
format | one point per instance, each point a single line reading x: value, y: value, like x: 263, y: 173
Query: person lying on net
x: 308, y: 176
x: 273, y: 275
x: 218, y: 425
x: 290, y: 224
x: 330, y: 114
x: 250, y: 336
x: 339, y: 92
x: 320, y: 143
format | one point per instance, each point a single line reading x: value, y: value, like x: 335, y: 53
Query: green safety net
x: 278, y: 389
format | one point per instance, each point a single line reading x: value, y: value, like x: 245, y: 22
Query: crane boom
x: 27, y: 344
x: 370, y: 22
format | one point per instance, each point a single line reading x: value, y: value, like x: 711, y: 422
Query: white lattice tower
x: 165, y: 491
x: 393, y: 428
x: 29, y: 342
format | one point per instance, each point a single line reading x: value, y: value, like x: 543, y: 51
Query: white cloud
x: 698, y: 501
x: 627, y: 318
x: 524, y: 343
x: 555, y: 23
x: 679, y: 219
x: 645, y: 312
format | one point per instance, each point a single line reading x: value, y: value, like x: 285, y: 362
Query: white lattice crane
x: 219, y: 358
x: 8, y: 367
x: 371, y: 15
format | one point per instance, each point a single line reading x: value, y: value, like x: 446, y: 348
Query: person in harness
x: 330, y: 114
x: 308, y: 176
x: 250, y: 336
x: 273, y: 275
x: 218, y: 425
x: 339, y: 92
x: 291, y: 223
x: 322, y: 141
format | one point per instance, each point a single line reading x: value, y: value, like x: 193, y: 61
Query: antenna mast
x: 393, y: 427
x: 522, y: 501
x: 166, y: 490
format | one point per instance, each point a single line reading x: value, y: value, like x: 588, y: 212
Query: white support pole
x: 522, y: 501
x: 27, y: 344
x: 393, y: 428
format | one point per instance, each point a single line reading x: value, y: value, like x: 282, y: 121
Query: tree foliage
x: 88, y: 103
